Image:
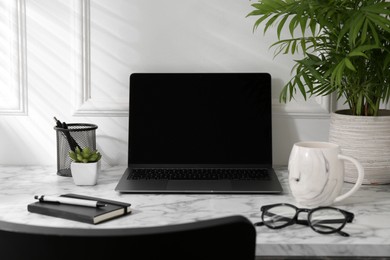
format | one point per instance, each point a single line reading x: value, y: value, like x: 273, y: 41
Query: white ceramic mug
x: 316, y: 173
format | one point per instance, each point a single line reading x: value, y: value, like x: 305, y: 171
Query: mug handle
x: 359, y: 180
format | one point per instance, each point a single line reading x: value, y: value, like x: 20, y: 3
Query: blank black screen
x: 200, y: 118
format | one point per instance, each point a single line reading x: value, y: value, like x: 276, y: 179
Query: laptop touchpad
x: 199, y: 185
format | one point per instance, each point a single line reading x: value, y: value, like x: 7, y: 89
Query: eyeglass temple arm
x: 325, y: 221
x: 319, y: 223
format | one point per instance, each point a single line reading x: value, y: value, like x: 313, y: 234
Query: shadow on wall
x: 285, y: 134
x: 284, y: 130
x: 112, y: 157
x: 288, y: 130
x: 294, y: 124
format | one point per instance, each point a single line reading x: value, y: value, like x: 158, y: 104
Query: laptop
x: 200, y: 133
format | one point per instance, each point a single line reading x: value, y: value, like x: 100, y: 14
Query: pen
x: 70, y: 201
x: 62, y: 125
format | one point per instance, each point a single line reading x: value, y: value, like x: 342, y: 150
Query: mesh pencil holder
x: 81, y: 135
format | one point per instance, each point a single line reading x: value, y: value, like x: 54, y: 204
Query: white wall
x: 72, y: 59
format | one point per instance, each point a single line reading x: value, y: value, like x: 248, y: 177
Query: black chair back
x: 232, y: 237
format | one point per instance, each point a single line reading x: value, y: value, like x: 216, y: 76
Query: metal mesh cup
x: 81, y: 135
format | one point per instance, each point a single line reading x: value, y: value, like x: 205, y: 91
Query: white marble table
x: 369, y: 233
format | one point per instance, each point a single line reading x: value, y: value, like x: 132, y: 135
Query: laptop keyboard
x: 199, y: 174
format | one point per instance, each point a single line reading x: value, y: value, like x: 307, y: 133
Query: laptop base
x: 271, y: 186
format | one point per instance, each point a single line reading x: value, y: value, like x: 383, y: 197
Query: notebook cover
x: 84, y: 214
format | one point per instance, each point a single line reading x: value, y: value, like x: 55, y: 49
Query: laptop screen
x: 200, y: 118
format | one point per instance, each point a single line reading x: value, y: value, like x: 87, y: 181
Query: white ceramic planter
x: 368, y: 140
x: 85, y: 173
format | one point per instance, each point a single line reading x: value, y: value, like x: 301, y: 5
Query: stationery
x: 82, y: 213
x: 70, y: 201
x: 64, y: 130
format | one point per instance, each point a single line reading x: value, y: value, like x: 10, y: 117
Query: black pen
x: 70, y: 201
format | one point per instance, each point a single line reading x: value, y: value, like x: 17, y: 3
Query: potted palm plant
x: 345, y: 47
x: 85, y: 166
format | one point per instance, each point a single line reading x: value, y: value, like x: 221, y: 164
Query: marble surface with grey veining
x: 369, y: 232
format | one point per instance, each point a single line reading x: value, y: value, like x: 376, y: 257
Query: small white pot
x: 85, y: 173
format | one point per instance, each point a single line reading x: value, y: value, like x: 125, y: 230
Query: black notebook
x: 113, y: 209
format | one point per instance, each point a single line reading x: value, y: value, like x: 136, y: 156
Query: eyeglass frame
x: 349, y: 216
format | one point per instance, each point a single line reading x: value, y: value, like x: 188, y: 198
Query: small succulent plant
x: 85, y: 155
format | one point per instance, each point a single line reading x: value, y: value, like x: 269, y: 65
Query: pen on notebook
x: 70, y: 201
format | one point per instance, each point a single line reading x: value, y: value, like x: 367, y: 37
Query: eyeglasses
x: 324, y: 220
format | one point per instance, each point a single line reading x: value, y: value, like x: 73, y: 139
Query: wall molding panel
x: 16, y: 102
x: 85, y: 104
x: 318, y: 107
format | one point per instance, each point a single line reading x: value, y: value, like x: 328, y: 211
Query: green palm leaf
x: 345, y: 43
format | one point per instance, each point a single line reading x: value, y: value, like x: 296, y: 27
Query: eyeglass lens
x: 278, y: 216
x: 327, y: 220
